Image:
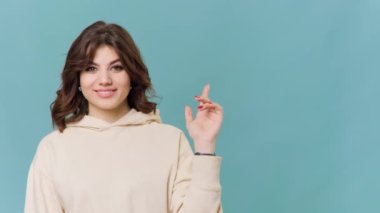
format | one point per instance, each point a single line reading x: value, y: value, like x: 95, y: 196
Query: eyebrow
x: 112, y: 62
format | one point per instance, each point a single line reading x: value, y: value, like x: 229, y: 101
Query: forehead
x: 103, y: 54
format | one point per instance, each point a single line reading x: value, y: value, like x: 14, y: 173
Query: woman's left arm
x: 197, y: 184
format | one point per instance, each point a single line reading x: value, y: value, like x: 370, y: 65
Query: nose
x: 104, y: 78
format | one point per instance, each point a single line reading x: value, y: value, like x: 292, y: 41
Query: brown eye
x: 118, y: 68
x: 90, y: 69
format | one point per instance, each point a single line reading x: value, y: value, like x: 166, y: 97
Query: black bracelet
x: 208, y: 154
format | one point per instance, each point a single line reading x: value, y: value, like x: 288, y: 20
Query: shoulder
x: 48, y: 142
x: 167, y: 132
x: 166, y: 128
x: 43, y: 155
x: 48, y: 139
x: 172, y: 139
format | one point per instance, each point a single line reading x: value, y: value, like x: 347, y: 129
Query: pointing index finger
x: 206, y: 90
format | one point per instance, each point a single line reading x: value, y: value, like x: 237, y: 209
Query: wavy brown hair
x: 70, y: 105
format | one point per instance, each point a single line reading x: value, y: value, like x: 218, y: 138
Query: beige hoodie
x: 136, y: 164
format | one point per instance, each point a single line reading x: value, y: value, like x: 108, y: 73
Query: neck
x: 109, y: 116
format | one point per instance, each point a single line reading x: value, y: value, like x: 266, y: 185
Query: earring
x: 80, y: 89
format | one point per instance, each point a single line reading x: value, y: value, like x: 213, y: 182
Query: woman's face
x: 105, y: 83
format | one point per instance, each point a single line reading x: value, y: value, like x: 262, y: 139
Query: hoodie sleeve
x: 197, y: 183
x: 40, y: 193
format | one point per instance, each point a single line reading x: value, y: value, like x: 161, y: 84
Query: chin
x: 108, y: 106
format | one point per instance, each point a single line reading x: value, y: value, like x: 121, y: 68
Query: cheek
x: 124, y: 84
x: 124, y: 81
x: 86, y: 81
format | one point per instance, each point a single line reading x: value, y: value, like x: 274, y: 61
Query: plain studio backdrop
x: 298, y: 79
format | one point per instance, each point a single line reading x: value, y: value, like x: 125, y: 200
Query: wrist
x: 201, y: 148
x: 205, y: 154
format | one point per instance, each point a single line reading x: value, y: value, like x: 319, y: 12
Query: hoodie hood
x: 132, y: 118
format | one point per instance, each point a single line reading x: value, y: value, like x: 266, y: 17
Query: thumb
x: 188, y: 115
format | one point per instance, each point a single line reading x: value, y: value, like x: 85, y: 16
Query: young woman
x: 110, y: 153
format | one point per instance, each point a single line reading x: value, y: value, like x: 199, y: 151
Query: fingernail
x: 196, y: 96
x: 200, y: 107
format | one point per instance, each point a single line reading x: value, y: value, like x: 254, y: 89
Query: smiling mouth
x: 105, y: 93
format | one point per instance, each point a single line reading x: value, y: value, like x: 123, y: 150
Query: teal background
x: 298, y: 80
